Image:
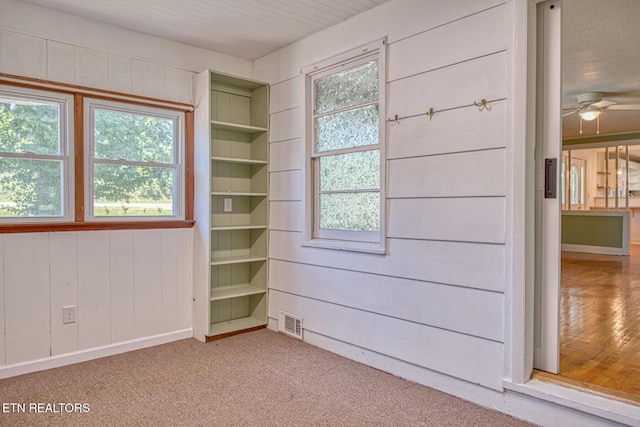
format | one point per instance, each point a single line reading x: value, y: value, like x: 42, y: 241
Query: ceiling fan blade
x: 569, y: 113
x: 624, y: 107
x: 603, y: 104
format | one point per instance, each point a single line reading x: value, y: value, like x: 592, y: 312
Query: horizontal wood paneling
x: 26, y: 297
x: 474, y: 36
x: 286, y: 155
x: 288, y: 124
x: 478, y: 173
x: 474, y: 265
x: 470, y: 311
x: 475, y: 219
x: 465, y: 129
x: 462, y: 356
x: 450, y: 87
x: 286, y: 186
x: 285, y: 216
x: 286, y: 95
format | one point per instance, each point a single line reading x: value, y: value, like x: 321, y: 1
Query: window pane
x: 30, y: 188
x: 353, y: 128
x: 122, y: 190
x: 29, y: 126
x: 351, y: 171
x: 355, y: 86
x: 350, y: 211
x: 133, y: 137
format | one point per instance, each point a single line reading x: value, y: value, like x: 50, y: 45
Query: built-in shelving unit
x: 231, y: 205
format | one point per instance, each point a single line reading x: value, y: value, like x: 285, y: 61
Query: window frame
x: 66, y: 154
x: 76, y: 220
x: 93, y: 104
x: 349, y: 240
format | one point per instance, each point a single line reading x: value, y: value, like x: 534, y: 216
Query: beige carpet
x: 261, y: 378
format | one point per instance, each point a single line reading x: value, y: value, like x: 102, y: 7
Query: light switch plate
x: 228, y: 204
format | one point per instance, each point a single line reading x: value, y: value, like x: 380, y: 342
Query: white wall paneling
x: 3, y: 314
x: 472, y: 265
x: 469, y: 311
x: 119, y: 73
x: 147, y: 278
x: 462, y: 356
x: 122, y: 298
x: 64, y: 290
x: 473, y: 219
x: 459, y: 130
x: 169, y: 280
x: 449, y: 44
x: 450, y: 86
x: 94, y: 311
x: 60, y: 62
x: 286, y: 186
x: 91, y: 68
x: 147, y: 79
x: 285, y: 216
x: 286, y: 155
x: 26, y: 297
x: 185, y: 274
x: 24, y: 55
x: 477, y: 173
x: 287, y: 124
x: 285, y: 95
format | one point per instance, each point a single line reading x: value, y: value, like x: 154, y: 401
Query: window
x: 345, y: 151
x: 133, y: 161
x: 36, y: 158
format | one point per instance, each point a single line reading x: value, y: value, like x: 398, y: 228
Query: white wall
x: 131, y: 288
x: 436, y: 300
x: 44, y: 44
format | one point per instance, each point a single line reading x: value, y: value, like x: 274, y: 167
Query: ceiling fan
x: 592, y: 104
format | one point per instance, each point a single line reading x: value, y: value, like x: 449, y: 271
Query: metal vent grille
x: 290, y: 324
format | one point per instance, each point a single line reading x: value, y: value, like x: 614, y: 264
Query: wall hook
x: 395, y: 120
x: 482, y: 103
x: 430, y: 113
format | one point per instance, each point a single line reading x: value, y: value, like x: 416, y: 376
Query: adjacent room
x: 297, y: 204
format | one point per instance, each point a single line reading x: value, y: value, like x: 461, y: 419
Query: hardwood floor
x: 600, y: 321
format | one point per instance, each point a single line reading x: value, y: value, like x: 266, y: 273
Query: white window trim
x: 66, y: 152
x: 90, y: 105
x: 342, y: 240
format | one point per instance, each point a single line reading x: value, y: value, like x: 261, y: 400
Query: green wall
x: 605, y: 230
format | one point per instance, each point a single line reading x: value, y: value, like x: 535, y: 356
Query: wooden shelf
x: 232, y: 193
x: 235, y: 127
x: 235, y: 292
x: 235, y: 325
x: 238, y: 227
x: 236, y: 160
x: 237, y: 260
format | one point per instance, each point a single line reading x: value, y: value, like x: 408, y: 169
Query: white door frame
x: 548, y: 209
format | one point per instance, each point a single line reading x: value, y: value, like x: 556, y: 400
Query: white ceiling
x: 601, y: 53
x: 243, y: 28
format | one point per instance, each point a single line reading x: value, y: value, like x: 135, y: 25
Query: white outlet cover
x: 228, y: 204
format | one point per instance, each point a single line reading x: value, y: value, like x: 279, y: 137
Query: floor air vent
x: 290, y: 324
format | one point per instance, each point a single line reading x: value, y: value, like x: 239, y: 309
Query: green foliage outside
x: 32, y: 187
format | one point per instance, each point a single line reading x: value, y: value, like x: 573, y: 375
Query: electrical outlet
x: 228, y: 204
x: 69, y: 314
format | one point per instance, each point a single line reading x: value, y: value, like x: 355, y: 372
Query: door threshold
x: 630, y: 399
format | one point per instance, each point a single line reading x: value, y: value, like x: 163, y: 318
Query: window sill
x: 342, y: 245
x: 93, y: 226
